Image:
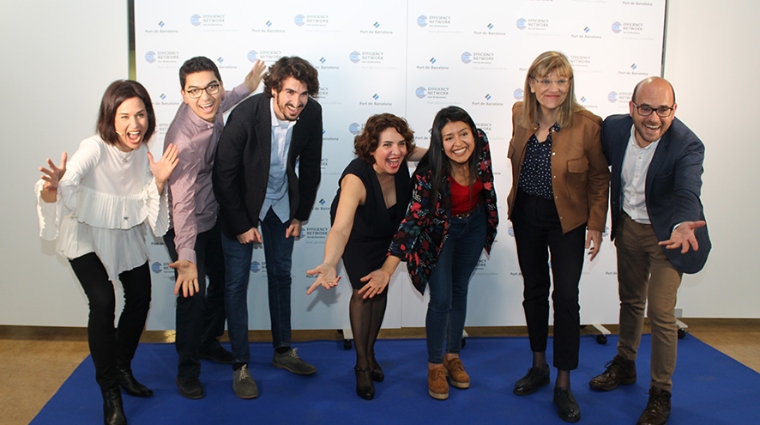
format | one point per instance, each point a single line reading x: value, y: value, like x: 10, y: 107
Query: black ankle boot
x: 128, y: 382
x: 113, y: 410
x: 364, y: 386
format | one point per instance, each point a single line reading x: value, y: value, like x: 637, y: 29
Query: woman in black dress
x: 370, y: 203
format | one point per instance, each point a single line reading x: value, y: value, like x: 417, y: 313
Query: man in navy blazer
x: 266, y: 174
x: 659, y: 229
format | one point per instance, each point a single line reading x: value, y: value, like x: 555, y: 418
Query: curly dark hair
x: 115, y: 95
x: 197, y: 64
x: 366, y: 143
x: 291, y: 66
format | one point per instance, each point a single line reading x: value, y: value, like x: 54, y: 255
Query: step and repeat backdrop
x: 410, y: 58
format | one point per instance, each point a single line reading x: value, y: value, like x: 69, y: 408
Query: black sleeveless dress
x: 374, y: 224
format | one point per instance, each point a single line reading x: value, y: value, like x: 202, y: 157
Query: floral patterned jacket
x: 423, y: 231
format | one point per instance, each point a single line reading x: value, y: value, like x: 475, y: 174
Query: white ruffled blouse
x: 104, y: 200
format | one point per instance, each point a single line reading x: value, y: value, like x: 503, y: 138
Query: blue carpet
x: 709, y: 388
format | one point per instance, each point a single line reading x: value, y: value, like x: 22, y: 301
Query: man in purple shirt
x: 194, y: 243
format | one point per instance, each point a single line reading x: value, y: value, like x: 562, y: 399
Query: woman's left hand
x: 593, y: 243
x: 163, y: 168
x: 377, y: 281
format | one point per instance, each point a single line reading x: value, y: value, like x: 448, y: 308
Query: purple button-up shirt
x: 193, y: 206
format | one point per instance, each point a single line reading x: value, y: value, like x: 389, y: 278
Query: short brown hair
x: 291, y: 66
x: 115, y: 95
x: 366, y: 143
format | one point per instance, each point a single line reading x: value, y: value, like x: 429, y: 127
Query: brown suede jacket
x: 580, y: 176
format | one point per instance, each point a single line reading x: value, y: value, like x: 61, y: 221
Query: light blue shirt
x: 277, y: 185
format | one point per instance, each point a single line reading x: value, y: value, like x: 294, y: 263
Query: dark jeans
x: 112, y: 348
x: 278, y: 252
x: 538, y: 230
x: 200, y: 318
x: 449, y: 284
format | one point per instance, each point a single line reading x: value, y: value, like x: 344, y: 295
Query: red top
x: 464, y: 198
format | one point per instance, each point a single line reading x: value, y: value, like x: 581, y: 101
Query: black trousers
x: 200, y: 318
x: 112, y: 348
x: 538, y: 231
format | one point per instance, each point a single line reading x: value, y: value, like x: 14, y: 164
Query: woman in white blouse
x: 97, y: 206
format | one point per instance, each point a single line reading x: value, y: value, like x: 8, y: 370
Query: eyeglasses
x: 646, y: 110
x: 196, y: 92
x: 547, y: 82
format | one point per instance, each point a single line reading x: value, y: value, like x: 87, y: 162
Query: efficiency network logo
x: 256, y: 267
x: 422, y: 21
x: 367, y: 57
x: 207, y: 20
x: 264, y: 55
x: 627, y: 28
x: 478, y: 58
x: 355, y: 128
x: 300, y: 20
x: 162, y: 56
x: 434, y: 92
x: 532, y: 24
x: 150, y: 56
x: 580, y: 61
x: 421, y: 92
x: 156, y: 267
x: 619, y: 96
x: 518, y: 94
x: 466, y: 57
x: 196, y: 20
x: 315, y: 20
x: 434, y: 21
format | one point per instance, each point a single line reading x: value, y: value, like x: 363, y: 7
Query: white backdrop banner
x: 410, y: 58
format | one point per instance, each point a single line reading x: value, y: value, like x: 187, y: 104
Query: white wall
x: 52, y: 82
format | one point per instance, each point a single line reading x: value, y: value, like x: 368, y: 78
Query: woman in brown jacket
x: 559, y: 191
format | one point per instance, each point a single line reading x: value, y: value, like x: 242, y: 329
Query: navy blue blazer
x: 673, y: 184
x: 241, y: 166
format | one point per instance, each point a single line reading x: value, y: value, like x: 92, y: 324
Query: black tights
x: 112, y: 348
x: 366, y: 319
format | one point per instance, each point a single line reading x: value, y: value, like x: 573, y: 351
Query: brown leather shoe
x: 457, y: 375
x: 657, y: 411
x: 438, y: 388
x: 619, y: 372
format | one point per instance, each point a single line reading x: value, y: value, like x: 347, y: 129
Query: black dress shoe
x: 533, y: 380
x: 364, y: 386
x: 190, y: 388
x: 567, y: 408
x: 219, y: 355
x: 128, y: 382
x: 113, y: 409
x: 657, y: 411
x: 377, y: 372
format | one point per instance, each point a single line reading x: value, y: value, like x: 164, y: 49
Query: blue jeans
x: 449, y: 283
x: 278, y: 253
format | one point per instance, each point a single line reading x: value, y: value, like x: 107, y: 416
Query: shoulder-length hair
x: 291, y: 66
x: 545, y: 64
x: 435, y: 160
x: 366, y: 143
x: 115, y: 95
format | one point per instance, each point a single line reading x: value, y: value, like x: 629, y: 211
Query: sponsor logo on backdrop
x: 620, y: 96
x: 478, y: 58
x: 258, y: 267
x: 355, y: 128
x: 580, y: 61
x: 434, y: 21
x: 321, y: 205
x: 221, y: 64
x: 583, y: 100
x: 487, y: 100
x: 489, y: 29
x: 518, y: 94
x: 376, y: 28
x: 367, y: 57
x: 312, y: 20
x: 433, y: 64
x: 161, y: 29
x: 162, y: 268
x: 587, y: 34
x: 632, y: 69
x: 265, y: 55
x: 269, y: 27
x: 162, y: 128
x: 638, y: 3
x: 533, y: 24
x: 432, y: 92
x: 156, y: 267
x: 313, y: 234
x: 325, y: 64
x: 208, y: 20
x: 485, y: 126
x: 162, y: 56
x: 628, y: 28
x: 376, y: 101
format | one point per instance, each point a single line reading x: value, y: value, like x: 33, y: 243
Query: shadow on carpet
x: 709, y: 387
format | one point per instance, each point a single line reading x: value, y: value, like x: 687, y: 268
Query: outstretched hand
x: 253, y: 79
x: 187, y: 278
x: 683, y: 236
x: 376, y: 281
x: 163, y: 168
x: 52, y: 176
x: 326, y: 277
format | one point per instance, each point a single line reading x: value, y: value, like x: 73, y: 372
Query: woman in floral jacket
x: 452, y: 216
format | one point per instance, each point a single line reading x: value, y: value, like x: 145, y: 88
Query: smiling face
x: 391, y: 151
x: 655, y: 93
x: 550, y: 90
x: 290, y: 100
x: 458, y: 141
x: 206, y: 106
x: 130, y: 122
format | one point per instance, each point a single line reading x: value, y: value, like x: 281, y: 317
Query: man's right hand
x: 251, y: 236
